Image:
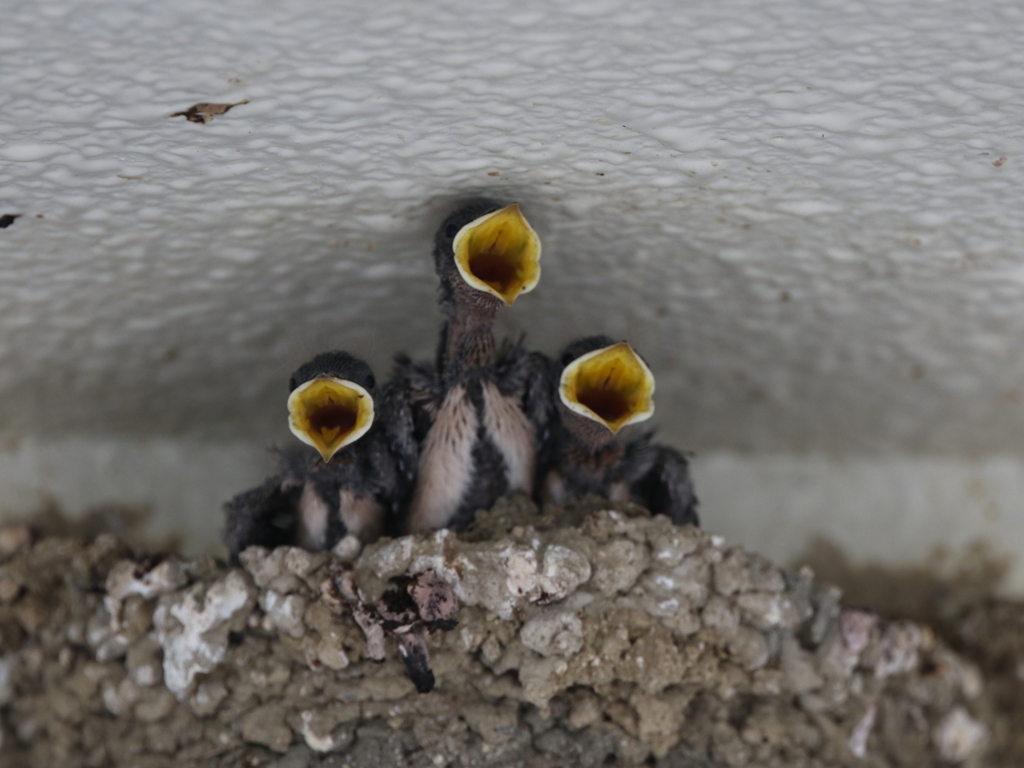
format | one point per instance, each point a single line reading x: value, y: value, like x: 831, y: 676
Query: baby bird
x: 601, y: 387
x: 485, y: 256
x: 482, y: 411
x: 355, y: 483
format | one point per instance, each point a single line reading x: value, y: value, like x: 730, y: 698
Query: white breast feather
x: 445, y: 463
x: 362, y: 516
x: 312, y: 523
x: 513, y: 434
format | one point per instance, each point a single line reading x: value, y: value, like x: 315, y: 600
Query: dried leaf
x: 438, y: 606
x: 7, y: 219
x: 203, y: 112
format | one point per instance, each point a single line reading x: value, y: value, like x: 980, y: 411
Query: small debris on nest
x: 414, y: 603
x: 204, y: 112
x: 7, y: 219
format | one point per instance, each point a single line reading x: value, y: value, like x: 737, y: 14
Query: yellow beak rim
x: 329, y: 413
x: 611, y: 386
x: 499, y: 253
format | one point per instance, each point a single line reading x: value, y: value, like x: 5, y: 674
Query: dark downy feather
x: 658, y: 477
x: 370, y: 479
x: 526, y: 376
x: 582, y: 456
x: 263, y: 516
x: 481, y: 451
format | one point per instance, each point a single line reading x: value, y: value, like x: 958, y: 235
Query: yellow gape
x: 499, y: 253
x: 612, y: 386
x: 329, y: 414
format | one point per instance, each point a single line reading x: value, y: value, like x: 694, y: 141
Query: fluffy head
x: 336, y: 364
x: 331, y: 402
x: 603, y: 384
x: 486, y: 255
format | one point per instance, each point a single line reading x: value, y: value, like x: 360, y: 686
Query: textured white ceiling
x: 806, y: 215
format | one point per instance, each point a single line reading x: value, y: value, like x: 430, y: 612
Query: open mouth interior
x: 499, y: 253
x: 611, y: 405
x: 332, y: 421
x: 496, y: 265
x: 610, y: 385
x: 329, y: 414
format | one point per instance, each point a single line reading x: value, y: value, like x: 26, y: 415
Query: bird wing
x: 423, y: 390
x: 262, y: 516
x: 526, y: 376
x: 659, y: 478
x: 396, y: 414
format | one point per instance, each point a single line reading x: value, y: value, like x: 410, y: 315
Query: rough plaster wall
x: 806, y: 216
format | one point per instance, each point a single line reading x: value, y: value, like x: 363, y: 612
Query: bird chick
x: 355, y: 483
x: 601, y: 388
x: 486, y: 255
x: 482, y: 410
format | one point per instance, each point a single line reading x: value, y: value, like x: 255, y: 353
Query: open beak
x: 329, y: 414
x: 611, y: 386
x: 499, y: 253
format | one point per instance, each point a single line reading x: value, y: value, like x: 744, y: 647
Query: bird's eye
x: 451, y: 231
x: 371, y: 383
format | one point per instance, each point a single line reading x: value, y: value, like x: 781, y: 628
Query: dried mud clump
x: 594, y: 636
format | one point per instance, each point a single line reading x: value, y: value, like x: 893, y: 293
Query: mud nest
x: 592, y: 636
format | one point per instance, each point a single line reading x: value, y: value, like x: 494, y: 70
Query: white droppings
x: 193, y: 627
x: 147, y: 675
x: 959, y: 736
x: 127, y: 578
x: 316, y: 737
x: 284, y: 612
x: 553, y: 632
x: 521, y: 566
x: 859, y: 738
